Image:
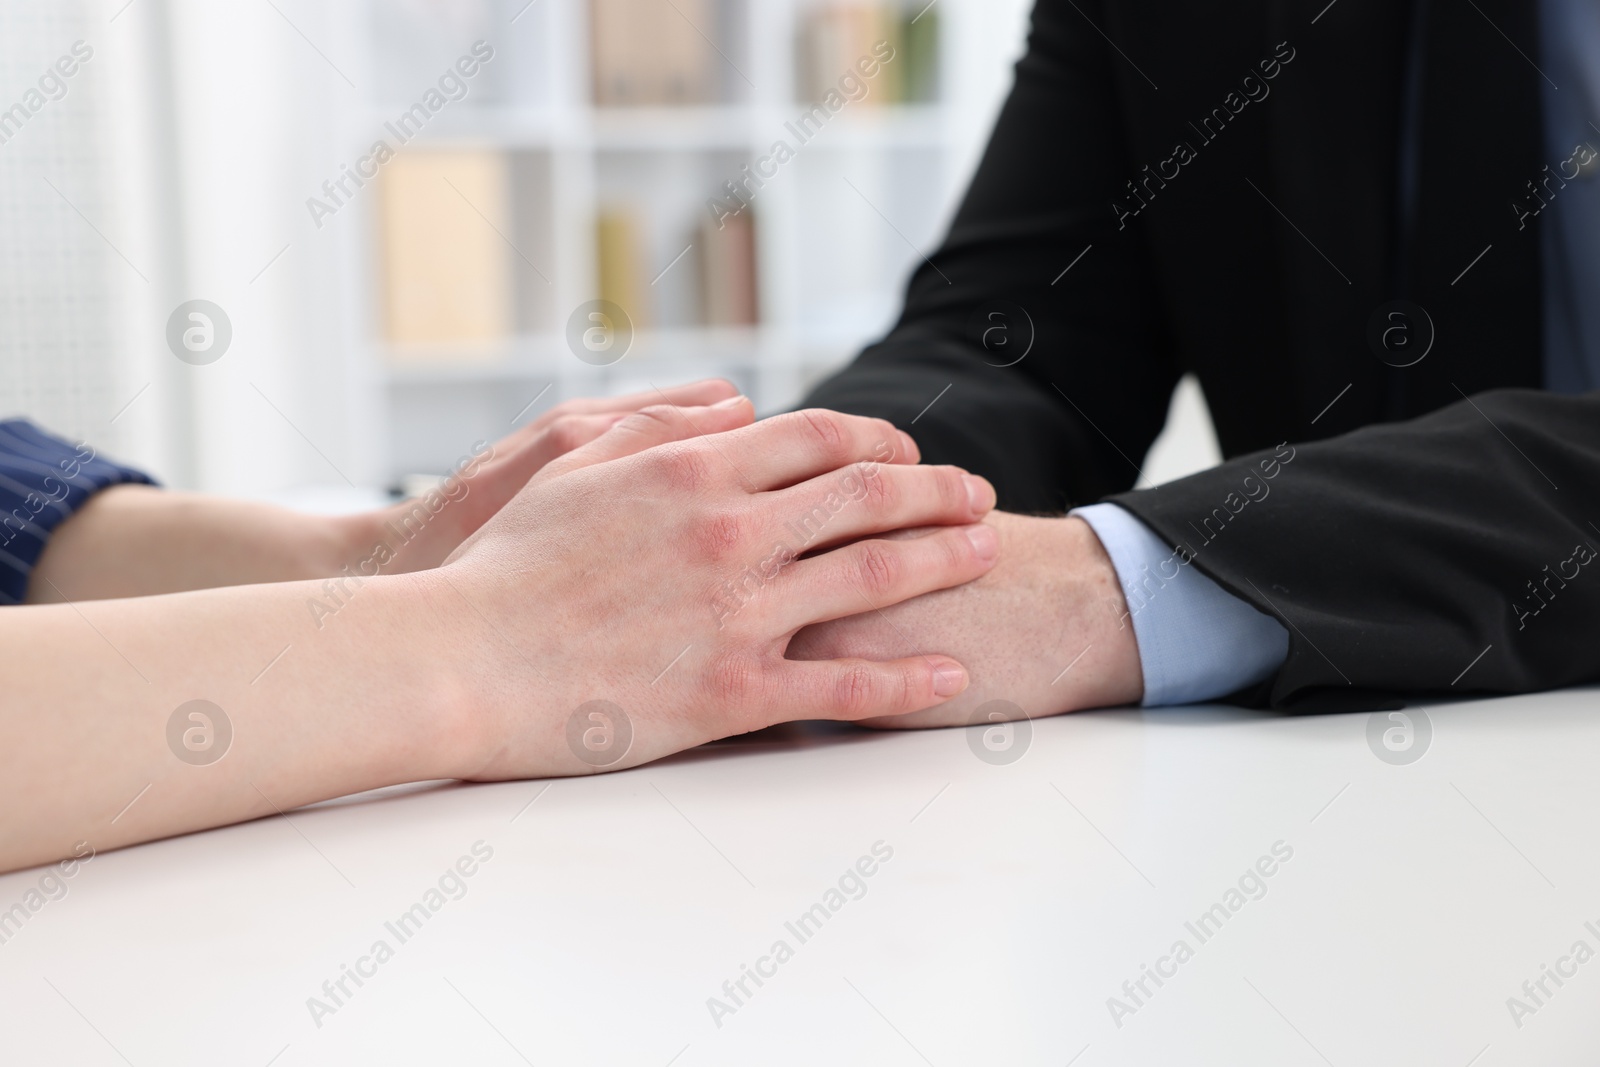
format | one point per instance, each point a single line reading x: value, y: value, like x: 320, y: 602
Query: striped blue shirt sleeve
x: 43, y: 480
x: 1197, y: 641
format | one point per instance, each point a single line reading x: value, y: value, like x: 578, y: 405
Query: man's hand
x: 1045, y: 629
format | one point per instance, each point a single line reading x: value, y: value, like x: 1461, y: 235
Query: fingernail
x: 980, y: 494
x: 949, y: 678
x: 908, y: 446
x: 731, y: 402
x: 985, y: 542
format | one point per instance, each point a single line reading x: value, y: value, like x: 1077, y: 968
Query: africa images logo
x: 199, y: 332
x: 1399, y: 737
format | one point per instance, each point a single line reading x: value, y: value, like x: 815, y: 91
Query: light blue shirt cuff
x: 1197, y: 641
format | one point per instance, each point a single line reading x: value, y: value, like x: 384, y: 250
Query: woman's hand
x: 420, y: 533
x: 638, y: 596
x: 136, y: 540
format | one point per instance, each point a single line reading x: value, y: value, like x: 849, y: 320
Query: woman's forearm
x: 137, y: 540
x: 101, y: 748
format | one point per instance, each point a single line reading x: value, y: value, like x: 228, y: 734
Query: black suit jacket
x: 1231, y: 188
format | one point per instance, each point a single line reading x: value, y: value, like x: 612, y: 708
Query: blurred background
x: 398, y: 215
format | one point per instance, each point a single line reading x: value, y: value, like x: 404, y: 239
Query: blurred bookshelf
x: 583, y: 162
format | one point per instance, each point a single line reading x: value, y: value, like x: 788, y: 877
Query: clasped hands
x: 709, y: 575
x: 664, y: 558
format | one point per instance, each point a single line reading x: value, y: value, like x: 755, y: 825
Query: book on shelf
x: 833, y: 40
x: 919, y: 56
x: 443, y: 270
x: 618, y: 261
x: 727, y: 278
x: 728, y: 282
x: 653, y: 52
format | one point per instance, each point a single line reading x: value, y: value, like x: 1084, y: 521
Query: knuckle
x: 565, y: 433
x: 652, y: 420
x: 733, y: 679
x: 686, y: 469
x: 639, y: 424
x: 880, y: 492
x: 887, y: 449
x: 878, y: 569
x: 720, y: 534
x: 958, y: 551
x: 827, y: 432
x: 952, y: 489
x: 856, y: 690
x: 910, y: 687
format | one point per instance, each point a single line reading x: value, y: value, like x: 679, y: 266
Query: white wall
x: 256, y: 108
x: 67, y: 255
x: 190, y: 144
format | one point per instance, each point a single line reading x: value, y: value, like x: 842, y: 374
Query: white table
x: 1018, y: 899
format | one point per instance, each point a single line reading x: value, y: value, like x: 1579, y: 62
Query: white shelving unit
x: 838, y: 228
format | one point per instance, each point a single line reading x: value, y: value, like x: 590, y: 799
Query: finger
x: 776, y: 453
x: 657, y: 424
x: 522, y: 460
x: 862, y: 689
x: 874, y: 574
x: 693, y: 394
x: 866, y: 499
x: 555, y: 436
x: 702, y: 393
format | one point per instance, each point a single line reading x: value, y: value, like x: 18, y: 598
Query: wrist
x: 424, y: 662
x: 493, y: 710
x: 1114, y: 676
x: 1073, y: 593
x: 345, y: 541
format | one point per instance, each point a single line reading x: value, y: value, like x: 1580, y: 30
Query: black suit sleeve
x: 1068, y: 422
x: 1456, y: 553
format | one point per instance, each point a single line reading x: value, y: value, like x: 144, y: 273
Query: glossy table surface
x: 1306, y: 890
